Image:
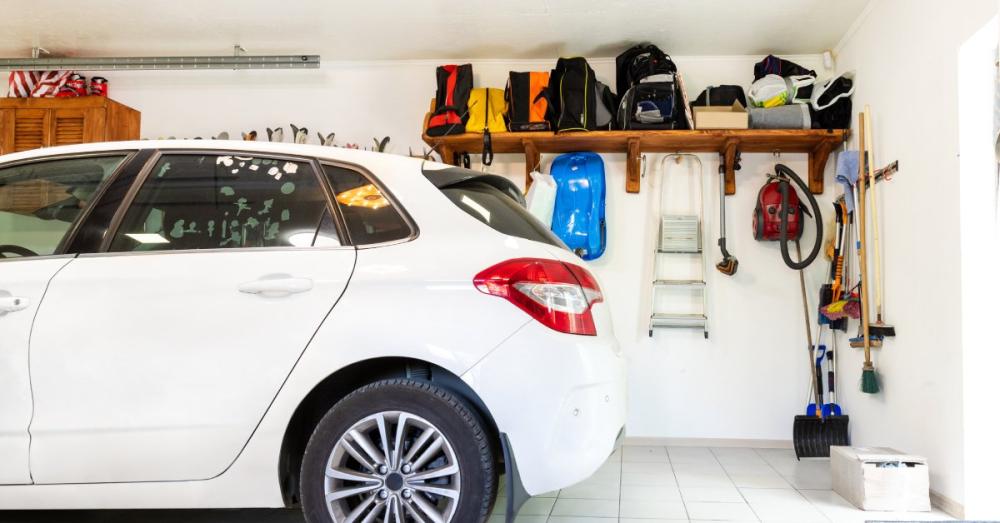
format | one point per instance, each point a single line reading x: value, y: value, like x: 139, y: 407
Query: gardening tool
x: 729, y: 263
x: 869, y: 379
x: 815, y: 432
x: 878, y: 329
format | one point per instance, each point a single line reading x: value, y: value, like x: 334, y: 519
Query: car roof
x: 316, y: 151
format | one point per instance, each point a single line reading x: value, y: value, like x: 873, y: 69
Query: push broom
x: 879, y: 329
x: 869, y: 380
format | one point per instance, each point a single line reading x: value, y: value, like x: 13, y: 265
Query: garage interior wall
x: 922, y: 407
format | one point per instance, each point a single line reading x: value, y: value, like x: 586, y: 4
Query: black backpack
x: 651, y: 99
x: 721, y: 95
x: 572, y: 104
x: 451, y: 108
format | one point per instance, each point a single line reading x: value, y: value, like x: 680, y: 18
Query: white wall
x: 980, y: 238
x: 746, y: 382
x: 905, y: 54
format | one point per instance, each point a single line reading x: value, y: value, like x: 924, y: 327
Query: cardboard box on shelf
x: 721, y: 117
x: 880, y: 478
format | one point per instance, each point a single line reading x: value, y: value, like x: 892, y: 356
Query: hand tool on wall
x: 878, y: 329
x: 869, y: 379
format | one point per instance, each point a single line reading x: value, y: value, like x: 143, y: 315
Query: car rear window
x: 486, y: 203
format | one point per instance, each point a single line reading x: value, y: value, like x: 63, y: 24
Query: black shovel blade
x: 812, y: 437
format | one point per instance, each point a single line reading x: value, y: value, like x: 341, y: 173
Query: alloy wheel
x: 392, y: 466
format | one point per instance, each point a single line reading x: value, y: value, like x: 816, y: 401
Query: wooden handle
x: 862, y: 258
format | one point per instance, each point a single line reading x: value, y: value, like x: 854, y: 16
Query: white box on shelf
x: 875, y: 478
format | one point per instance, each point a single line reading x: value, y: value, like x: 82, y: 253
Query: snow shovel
x: 814, y: 433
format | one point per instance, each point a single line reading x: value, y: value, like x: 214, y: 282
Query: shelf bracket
x: 731, y: 158
x: 532, y: 161
x: 817, y: 165
x: 632, y: 166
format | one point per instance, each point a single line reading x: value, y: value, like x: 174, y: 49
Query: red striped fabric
x: 36, y: 84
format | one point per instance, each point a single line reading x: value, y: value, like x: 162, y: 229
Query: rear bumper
x: 560, y: 400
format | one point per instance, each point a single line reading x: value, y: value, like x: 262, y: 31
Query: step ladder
x: 680, y: 236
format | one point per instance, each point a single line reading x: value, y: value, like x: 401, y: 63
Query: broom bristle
x: 869, y: 381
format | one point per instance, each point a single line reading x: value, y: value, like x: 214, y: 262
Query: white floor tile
x: 535, y: 507
x: 586, y: 507
x: 690, y: 455
x: 766, y: 480
x: 645, y: 467
x: 651, y: 492
x: 649, y: 478
x: 792, y: 513
x: 592, y: 489
x: 720, y: 511
x: 637, y: 485
x: 700, y: 479
x: 770, y: 495
x: 712, y: 494
x: 519, y: 519
x: 579, y: 519
x: 652, y: 509
x: 734, y: 456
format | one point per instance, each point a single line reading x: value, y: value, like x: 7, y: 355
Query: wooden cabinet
x: 30, y: 123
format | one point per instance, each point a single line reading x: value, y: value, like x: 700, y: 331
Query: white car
x: 209, y: 324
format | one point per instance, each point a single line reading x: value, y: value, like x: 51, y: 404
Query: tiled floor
x: 674, y: 484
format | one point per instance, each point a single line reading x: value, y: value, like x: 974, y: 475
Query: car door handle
x: 281, y: 286
x: 12, y: 303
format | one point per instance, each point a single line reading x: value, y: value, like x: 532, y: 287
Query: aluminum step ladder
x: 680, y: 236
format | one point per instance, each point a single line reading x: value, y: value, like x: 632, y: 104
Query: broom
x: 869, y: 380
x: 879, y: 329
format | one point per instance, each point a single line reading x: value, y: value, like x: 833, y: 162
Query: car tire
x: 347, y: 475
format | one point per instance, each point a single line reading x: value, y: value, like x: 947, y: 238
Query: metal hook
x: 38, y: 51
x: 643, y: 175
x: 776, y: 153
x: 238, y: 50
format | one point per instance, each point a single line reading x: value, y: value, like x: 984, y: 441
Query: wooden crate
x: 30, y: 123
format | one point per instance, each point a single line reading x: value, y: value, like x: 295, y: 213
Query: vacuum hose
x: 784, y: 174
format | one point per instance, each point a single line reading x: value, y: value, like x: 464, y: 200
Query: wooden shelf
x: 728, y: 143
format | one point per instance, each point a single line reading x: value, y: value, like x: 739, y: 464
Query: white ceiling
x: 423, y: 29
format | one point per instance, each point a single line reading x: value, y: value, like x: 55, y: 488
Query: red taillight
x: 559, y: 295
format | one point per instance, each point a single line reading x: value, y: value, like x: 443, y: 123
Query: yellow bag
x: 486, y: 109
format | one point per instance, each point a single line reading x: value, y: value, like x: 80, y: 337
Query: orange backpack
x: 526, y: 106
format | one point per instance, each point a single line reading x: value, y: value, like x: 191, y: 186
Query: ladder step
x: 679, y: 283
x: 678, y: 320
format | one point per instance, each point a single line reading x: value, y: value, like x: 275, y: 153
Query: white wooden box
x: 878, y: 478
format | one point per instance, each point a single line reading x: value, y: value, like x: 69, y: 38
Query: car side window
x: 40, y: 201
x: 219, y: 201
x: 369, y: 216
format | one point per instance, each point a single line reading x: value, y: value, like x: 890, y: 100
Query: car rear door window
x: 370, y: 216
x: 486, y: 203
x: 223, y: 201
x: 40, y: 201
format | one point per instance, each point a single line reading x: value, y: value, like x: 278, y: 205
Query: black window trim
x: 67, y: 239
x: 386, y: 193
x: 133, y: 191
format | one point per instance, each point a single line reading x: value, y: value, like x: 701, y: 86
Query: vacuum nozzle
x: 728, y: 265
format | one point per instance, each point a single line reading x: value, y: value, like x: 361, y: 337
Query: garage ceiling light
x: 237, y: 61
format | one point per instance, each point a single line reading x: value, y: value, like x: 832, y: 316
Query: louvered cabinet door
x: 27, y: 131
x: 67, y: 127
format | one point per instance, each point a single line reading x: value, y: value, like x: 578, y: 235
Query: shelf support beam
x: 632, y: 166
x: 817, y: 165
x: 532, y: 161
x: 731, y: 158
